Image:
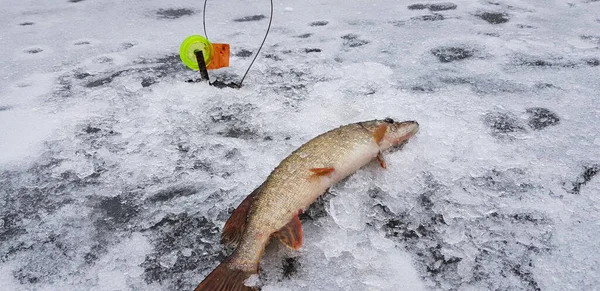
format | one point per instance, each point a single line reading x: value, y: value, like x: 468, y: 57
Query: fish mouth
x: 413, y: 126
x: 406, y: 130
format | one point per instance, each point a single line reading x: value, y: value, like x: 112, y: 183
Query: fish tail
x: 226, y: 278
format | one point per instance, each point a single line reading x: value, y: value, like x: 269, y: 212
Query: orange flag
x: 220, y: 56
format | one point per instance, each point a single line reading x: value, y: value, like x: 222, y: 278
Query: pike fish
x: 271, y: 211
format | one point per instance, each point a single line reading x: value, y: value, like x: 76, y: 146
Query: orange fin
x: 291, y: 234
x: 381, y: 160
x: 380, y: 133
x: 322, y: 171
x: 225, y: 279
x: 235, y: 225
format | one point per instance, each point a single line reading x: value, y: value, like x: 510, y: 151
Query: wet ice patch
x: 540, y: 118
x: 451, y: 54
x: 103, y: 70
x: 319, y: 23
x: 503, y: 124
x: 231, y: 121
x: 306, y: 35
x: 243, y: 53
x: 592, y: 62
x: 543, y: 62
x: 174, y: 13
x: 180, y: 245
x: 589, y: 172
x: 353, y: 40
x: 34, y: 50
x: 441, y: 6
x: 81, y: 42
x: 494, y: 17
x: 429, y: 17
x: 250, y: 18
x: 478, y: 84
x: 103, y: 79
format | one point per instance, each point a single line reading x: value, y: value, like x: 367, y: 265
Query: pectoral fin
x: 380, y: 133
x: 381, y: 160
x: 291, y: 234
x: 322, y: 171
x: 235, y: 225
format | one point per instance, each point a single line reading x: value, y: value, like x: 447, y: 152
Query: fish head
x: 396, y: 133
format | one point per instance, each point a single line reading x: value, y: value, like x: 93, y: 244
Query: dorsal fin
x: 235, y: 225
x: 321, y: 171
x: 380, y: 133
x: 291, y: 234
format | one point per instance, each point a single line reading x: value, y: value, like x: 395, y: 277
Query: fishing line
x: 204, y: 19
x: 259, y: 48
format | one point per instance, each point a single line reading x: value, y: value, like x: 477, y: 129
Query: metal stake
x: 201, y: 65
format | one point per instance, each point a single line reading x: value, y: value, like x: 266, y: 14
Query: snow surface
x: 117, y: 174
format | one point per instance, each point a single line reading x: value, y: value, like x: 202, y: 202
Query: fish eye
x: 389, y: 120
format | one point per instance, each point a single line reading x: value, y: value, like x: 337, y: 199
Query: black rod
x: 201, y: 65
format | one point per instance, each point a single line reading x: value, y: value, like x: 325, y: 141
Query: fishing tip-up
x: 199, y: 54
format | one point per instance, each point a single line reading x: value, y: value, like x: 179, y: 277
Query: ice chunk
x: 252, y: 281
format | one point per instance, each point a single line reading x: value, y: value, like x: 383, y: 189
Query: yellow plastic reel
x: 192, y: 44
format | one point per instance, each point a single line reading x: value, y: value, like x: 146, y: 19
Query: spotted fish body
x: 272, y: 209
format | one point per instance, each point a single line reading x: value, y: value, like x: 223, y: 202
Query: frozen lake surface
x: 117, y: 174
